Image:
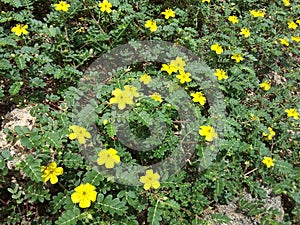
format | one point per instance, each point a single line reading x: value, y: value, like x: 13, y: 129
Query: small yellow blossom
x: 292, y: 25
x: 123, y: 97
x: 292, y: 113
x: 217, y: 48
x: 206, y: 1
x: 221, y: 74
x: 169, y: 68
x: 183, y: 77
x: 199, y: 97
x: 268, y: 161
x: 258, y: 13
x: 270, y: 135
x: 62, y: 6
x: 108, y: 157
x: 284, y: 41
x: 131, y: 90
x: 298, y: 21
x: 146, y: 79
x: 156, y: 97
x: 178, y: 63
x: 296, y: 38
x: 237, y: 57
x: 253, y: 117
x: 266, y: 85
x: 233, y: 19
x: 245, y: 32
x: 208, y: 132
x: 20, y: 29
x: 286, y: 2
x: 84, y: 194
x: 151, y: 25
x: 80, y: 133
x: 105, y: 6
x: 105, y: 122
x: 50, y: 172
x: 168, y: 13
x: 150, y: 180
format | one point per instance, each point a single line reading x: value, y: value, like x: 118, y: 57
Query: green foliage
x: 45, y: 68
x: 32, y: 168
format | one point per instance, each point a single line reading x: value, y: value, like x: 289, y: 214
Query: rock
x: 17, y: 117
x: 238, y: 217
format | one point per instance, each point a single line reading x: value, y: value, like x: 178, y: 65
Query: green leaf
x: 37, y: 82
x: 219, y: 187
x: 284, y: 167
x: 154, y: 215
x: 113, y: 206
x: 69, y: 217
x: 32, y: 168
x: 220, y: 218
x: 296, y: 197
x: 111, y: 130
x: 53, y: 139
x: 93, y: 177
x: 2, y: 163
x: 171, y: 203
x: 58, y: 201
x: 1, y: 93
x: 4, y: 64
x: 36, y: 192
x: 15, y: 88
x: 20, y: 61
x: 72, y: 160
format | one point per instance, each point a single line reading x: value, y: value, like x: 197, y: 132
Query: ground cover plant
x: 252, y: 50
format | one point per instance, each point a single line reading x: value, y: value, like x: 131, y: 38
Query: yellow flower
x: 233, y: 19
x: 151, y: 25
x: 217, y: 48
x: 298, y: 21
x: 50, y: 172
x: 292, y: 113
x: 266, y: 85
x: 20, y: 29
x: 169, y: 68
x: 80, y: 133
x: 258, y: 13
x: 206, y: 1
x: 62, y: 6
x: 105, y: 122
x: 237, y: 57
x: 108, y: 157
x: 221, y: 74
x: 253, y: 117
x: 156, y: 97
x: 284, y: 41
x: 168, y: 13
x: 131, y: 90
x: 105, y: 6
x: 123, y: 97
x: 146, y: 79
x: 270, y: 135
x: 286, y: 2
x: 208, y: 132
x: 84, y: 194
x: 296, y: 38
x: 199, y: 97
x: 178, y: 63
x: 150, y: 180
x: 268, y: 161
x: 183, y: 77
x: 292, y: 25
x: 245, y: 32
